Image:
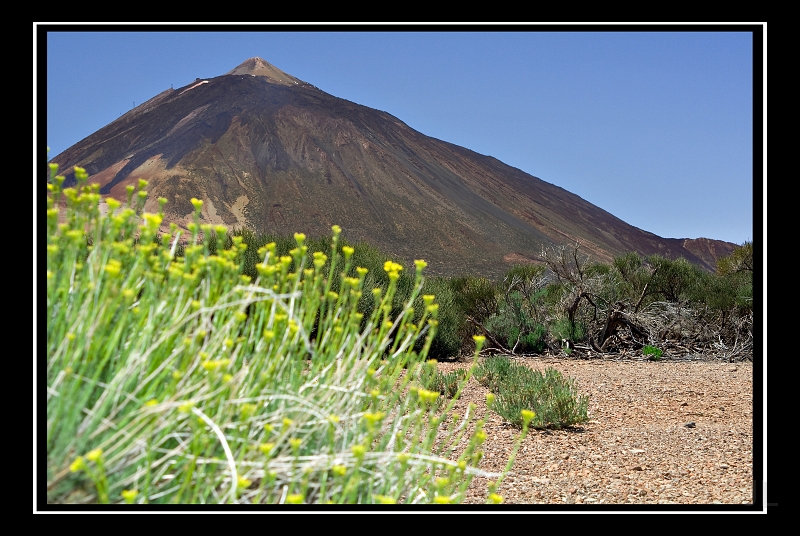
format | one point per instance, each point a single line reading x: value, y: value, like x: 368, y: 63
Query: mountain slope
x: 267, y: 151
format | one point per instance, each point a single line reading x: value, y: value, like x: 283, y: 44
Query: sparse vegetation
x: 552, y: 398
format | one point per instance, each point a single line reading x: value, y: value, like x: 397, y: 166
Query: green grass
x: 184, y: 380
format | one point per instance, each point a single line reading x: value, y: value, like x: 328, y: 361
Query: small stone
x: 684, y: 404
x: 690, y: 424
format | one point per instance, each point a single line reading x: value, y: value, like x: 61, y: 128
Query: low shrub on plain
x: 552, y: 397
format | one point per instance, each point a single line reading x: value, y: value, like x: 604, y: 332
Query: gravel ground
x: 639, y: 446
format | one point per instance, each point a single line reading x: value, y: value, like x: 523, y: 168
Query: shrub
x: 446, y: 345
x: 653, y: 352
x: 561, y: 328
x: 552, y: 398
x: 448, y: 383
x: 185, y: 380
x: 475, y: 296
x: 492, y: 371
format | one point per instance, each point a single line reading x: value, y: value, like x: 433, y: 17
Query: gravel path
x: 639, y: 446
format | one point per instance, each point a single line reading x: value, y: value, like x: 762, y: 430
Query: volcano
x: 269, y: 152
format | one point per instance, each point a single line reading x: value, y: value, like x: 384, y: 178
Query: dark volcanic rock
x: 267, y: 151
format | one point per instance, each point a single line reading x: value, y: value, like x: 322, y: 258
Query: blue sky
x: 654, y: 127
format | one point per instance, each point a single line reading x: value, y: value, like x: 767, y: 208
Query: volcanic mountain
x: 267, y: 151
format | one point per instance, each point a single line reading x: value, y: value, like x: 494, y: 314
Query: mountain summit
x: 272, y: 153
x: 259, y: 67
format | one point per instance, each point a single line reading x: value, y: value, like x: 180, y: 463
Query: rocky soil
x: 667, y: 432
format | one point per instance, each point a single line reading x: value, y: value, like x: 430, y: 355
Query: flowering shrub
x: 180, y: 379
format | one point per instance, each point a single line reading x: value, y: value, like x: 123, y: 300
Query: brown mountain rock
x: 275, y: 154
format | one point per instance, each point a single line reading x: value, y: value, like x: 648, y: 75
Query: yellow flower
x: 129, y: 495
x: 247, y: 410
x: 391, y: 267
x: 441, y: 499
x: 527, y: 415
x: 427, y: 396
x: 359, y: 450
x: 294, y: 498
x: 153, y: 220
x: 94, y: 455
x: 196, y: 203
x: 336, y: 230
x: 494, y: 498
x: 243, y: 482
x: 186, y: 407
x: 339, y: 470
x: 383, y: 499
x: 348, y: 251
x: 113, y: 267
x: 77, y: 465
x: 266, y: 448
x: 373, y: 418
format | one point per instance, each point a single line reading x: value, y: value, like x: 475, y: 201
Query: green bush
x: 561, y: 328
x: 185, y: 380
x: 653, y: 352
x: 448, y: 383
x: 475, y: 296
x: 552, y: 398
x: 446, y: 345
x: 492, y: 371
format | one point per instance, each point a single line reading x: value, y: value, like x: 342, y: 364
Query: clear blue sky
x: 654, y: 127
